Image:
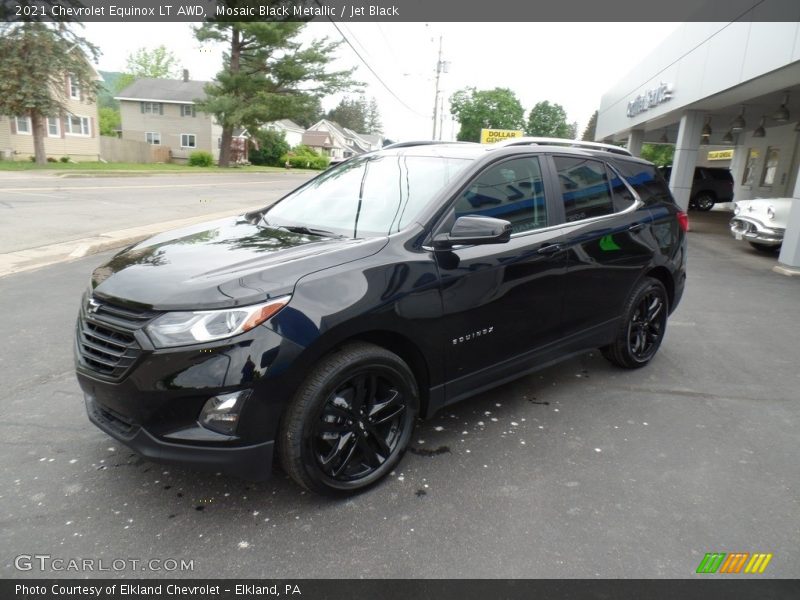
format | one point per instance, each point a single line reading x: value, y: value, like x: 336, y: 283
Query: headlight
x: 181, y: 328
x: 771, y: 213
x: 736, y: 209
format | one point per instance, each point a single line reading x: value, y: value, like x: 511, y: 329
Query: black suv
x: 382, y: 290
x: 710, y: 186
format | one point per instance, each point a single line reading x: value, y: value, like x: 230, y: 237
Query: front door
x: 501, y: 301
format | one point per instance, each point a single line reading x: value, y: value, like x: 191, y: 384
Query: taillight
x: 683, y: 220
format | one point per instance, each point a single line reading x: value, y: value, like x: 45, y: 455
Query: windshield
x: 366, y: 196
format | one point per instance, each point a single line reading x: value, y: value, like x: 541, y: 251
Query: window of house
x: 74, y: 88
x: 187, y: 110
x: 188, y: 140
x: 584, y: 188
x: 152, y: 108
x: 511, y: 190
x: 770, y: 166
x: 153, y: 137
x: 53, y: 127
x: 24, y: 125
x: 77, y: 125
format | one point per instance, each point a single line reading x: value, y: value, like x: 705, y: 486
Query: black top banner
x: 400, y: 10
x: 401, y: 589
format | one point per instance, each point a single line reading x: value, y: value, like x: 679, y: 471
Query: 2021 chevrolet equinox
x: 317, y: 329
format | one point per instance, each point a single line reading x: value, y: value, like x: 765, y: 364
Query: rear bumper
x: 252, y: 462
x: 752, y: 230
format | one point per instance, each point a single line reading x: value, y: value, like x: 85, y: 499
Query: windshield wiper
x: 304, y: 229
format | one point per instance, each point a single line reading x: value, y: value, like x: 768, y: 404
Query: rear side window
x: 511, y: 190
x: 584, y: 188
x: 643, y: 178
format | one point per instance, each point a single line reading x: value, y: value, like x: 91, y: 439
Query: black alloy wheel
x: 642, y: 328
x: 350, y: 421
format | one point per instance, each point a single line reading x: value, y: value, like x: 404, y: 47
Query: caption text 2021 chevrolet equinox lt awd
x: 317, y: 329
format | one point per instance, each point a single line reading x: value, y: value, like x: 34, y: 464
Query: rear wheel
x: 765, y: 248
x: 704, y: 201
x: 350, y: 421
x: 642, y: 328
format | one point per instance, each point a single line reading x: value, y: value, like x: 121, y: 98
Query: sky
x: 568, y: 63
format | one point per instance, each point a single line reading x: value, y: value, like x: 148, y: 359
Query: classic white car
x: 761, y: 222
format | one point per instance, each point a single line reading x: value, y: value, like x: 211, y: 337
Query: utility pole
x: 436, y: 94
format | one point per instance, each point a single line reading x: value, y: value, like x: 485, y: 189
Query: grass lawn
x: 100, y: 168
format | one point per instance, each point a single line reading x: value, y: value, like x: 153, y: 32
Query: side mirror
x: 472, y: 230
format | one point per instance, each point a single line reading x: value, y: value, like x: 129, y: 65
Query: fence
x: 117, y: 150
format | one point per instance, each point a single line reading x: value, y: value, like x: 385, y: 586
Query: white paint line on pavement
x: 135, y: 187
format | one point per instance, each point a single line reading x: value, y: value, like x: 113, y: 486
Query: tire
x: 704, y: 201
x: 350, y: 421
x: 766, y: 249
x: 642, y: 328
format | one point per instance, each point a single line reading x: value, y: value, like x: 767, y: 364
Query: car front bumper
x: 753, y: 230
x: 252, y: 462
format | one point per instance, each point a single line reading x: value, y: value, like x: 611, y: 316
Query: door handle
x: 636, y: 227
x: 549, y: 249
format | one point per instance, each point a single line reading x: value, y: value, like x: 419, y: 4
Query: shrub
x: 272, y: 145
x: 50, y: 159
x: 64, y: 159
x: 201, y: 158
x: 303, y: 157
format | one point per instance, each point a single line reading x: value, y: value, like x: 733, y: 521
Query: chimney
x: 186, y: 74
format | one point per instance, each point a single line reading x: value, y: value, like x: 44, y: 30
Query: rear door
x: 607, y: 241
x: 501, y: 301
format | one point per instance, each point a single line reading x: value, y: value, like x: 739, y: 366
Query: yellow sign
x: 490, y: 136
x: 720, y: 154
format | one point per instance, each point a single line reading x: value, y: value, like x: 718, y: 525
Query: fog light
x: 221, y: 413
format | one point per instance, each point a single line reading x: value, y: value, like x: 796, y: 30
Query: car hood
x: 219, y: 264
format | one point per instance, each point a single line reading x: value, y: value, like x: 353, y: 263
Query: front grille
x: 105, y: 337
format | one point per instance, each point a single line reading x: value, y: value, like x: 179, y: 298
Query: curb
x: 43, y: 256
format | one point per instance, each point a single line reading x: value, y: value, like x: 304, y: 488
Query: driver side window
x: 510, y: 190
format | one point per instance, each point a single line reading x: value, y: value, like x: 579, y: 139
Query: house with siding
x: 163, y: 112
x: 73, y: 133
x: 330, y: 138
x: 292, y: 132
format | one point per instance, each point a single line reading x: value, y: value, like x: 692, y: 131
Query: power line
x: 371, y: 70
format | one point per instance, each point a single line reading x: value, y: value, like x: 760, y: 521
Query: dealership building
x: 713, y: 88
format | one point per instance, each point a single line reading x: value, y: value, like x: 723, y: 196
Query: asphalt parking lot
x: 581, y: 470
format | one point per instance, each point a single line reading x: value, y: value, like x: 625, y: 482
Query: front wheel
x: 642, y: 328
x: 350, y: 420
x: 704, y: 202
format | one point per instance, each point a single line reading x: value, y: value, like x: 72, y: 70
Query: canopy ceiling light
x: 728, y: 137
x: 707, y: 128
x: 739, y: 123
x: 782, y: 114
x: 760, y: 132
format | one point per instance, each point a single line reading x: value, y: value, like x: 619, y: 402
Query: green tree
x: 350, y: 113
x: 266, y: 70
x: 548, y: 120
x: 658, y: 154
x: 498, y: 108
x: 271, y: 146
x: 373, y: 124
x: 110, y: 121
x: 158, y: 63
x: 591, y: 127
x: 36, y: 60
x: 306, y: 111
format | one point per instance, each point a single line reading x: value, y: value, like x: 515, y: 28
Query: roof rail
x: 546, y: 141
x: 422, y: 143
